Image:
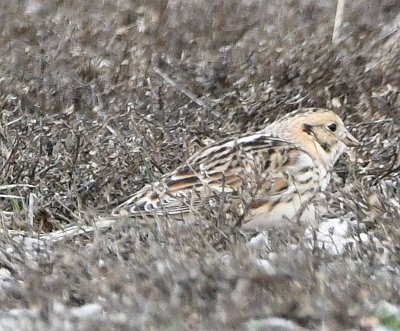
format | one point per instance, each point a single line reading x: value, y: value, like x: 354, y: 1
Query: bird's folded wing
x: 260, y: 166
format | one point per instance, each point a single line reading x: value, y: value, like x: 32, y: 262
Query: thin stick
x: 186, y: 92
x: 6, y: 187
x: 64, y: 234
x: 11, y: 196
x: 338, y: 22
x: 77, y: 230
x: 31, y: 206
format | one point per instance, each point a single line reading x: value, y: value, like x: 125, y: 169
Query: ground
x: 99, y: 98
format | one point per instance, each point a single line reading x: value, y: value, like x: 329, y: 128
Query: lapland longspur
x: 273, y: 173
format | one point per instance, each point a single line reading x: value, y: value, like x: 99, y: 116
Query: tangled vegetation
x: 100, y: 97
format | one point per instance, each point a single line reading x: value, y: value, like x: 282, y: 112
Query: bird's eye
x: 332, y: 127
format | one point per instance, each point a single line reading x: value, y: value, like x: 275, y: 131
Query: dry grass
x: 99, y: 98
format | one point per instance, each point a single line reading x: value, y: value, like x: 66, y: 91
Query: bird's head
x: 318, y: 131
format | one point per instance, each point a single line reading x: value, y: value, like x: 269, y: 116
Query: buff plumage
x: 272, y: 174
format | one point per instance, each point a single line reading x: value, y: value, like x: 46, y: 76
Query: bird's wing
x: 261, y: 166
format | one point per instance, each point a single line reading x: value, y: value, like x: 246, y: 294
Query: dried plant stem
x: 338, y: 22
x: 77, y: 230
x: 64, y: 234
x: 186, y: 92
x: 11, y: 186
x: 31, y: 206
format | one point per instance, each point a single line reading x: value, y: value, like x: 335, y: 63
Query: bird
x: 268, y: 177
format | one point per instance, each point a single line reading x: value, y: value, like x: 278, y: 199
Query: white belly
x: 282, y: 214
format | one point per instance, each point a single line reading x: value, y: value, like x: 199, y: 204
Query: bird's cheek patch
x: 307, y: 129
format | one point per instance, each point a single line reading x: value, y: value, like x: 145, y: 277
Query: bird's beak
x: 350, y: 140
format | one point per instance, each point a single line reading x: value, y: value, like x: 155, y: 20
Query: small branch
x: 77, y: 230
x: 186, y: 92
x: 59, y: 235
x: 12, y: 153
x: 7, y: 187
x: 338, y: 22
x: 11, y: 196
x: 31, y: 207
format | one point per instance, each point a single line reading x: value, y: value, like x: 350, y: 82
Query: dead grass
x: 99, y: 98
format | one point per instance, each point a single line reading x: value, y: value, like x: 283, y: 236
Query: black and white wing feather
x: 255, y: 165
